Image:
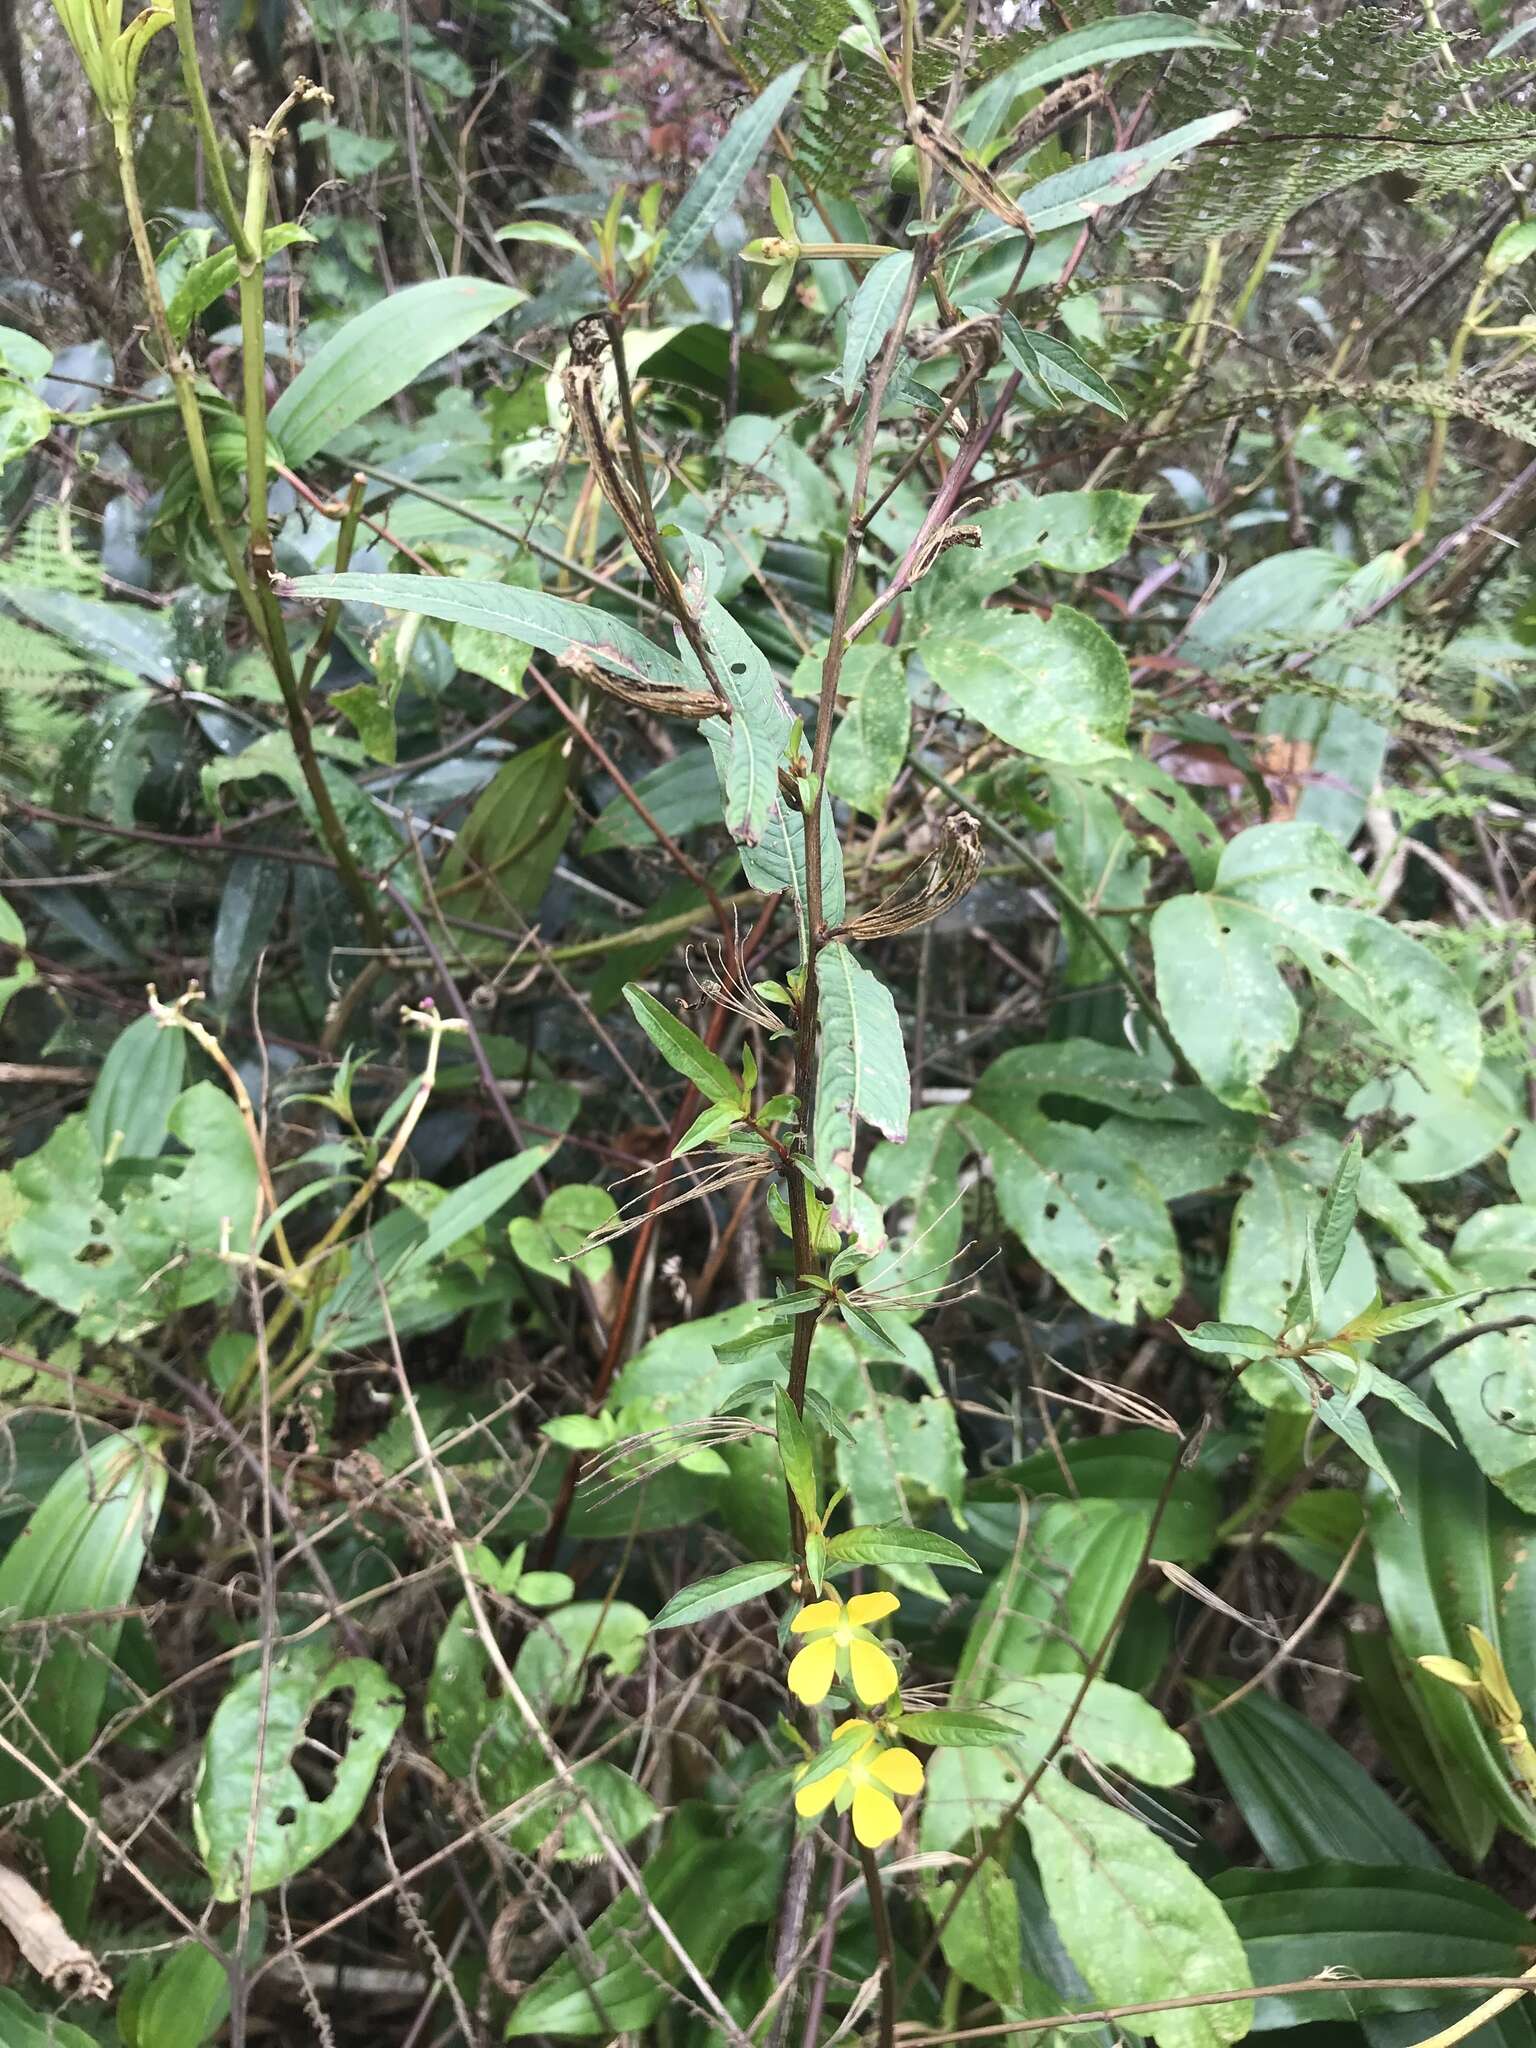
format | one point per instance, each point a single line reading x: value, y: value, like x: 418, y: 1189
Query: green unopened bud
x: 903, y: 169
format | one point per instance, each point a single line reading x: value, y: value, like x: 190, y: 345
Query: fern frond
x: 1327, y: 107
x: 43, y: 556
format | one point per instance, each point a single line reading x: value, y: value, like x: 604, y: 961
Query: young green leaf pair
x: 729, y: 1100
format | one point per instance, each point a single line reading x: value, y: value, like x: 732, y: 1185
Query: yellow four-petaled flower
x: 840, y: 1645
x: 866, y: 1783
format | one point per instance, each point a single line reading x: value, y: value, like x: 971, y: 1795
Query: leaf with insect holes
x: 254, y: 1817
x: 863, y: 1072
x: 1084, y: 1210
x: 683, y: 1050
x: 1221, y: 986
x: 726, y: 1589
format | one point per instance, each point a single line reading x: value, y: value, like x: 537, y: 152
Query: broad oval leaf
x: 1057, y: 688
x: 1084, y: 1211
x: 1225, y: 1000
x: 1135, y: 1918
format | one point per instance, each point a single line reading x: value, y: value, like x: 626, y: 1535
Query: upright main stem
x: 177, y: 368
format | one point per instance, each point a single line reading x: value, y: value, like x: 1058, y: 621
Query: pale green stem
x: 202, y: 115
x: 178, y: 369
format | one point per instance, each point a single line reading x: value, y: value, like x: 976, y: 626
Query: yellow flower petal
x: 811, y: 1673
x: 874, y: 1675
x: 812, y: 1799
x: 847, y: 1727
x: 864, y: 1608
x: 875, y: 1818
x: 820, y: 1614
x: 899, y: 1771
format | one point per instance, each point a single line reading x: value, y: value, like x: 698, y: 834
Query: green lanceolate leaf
x: 1105, y: 181
x: 255, y: 1821
x: 506, y: 849
x: 249, y: 907
x: 378, y: 353
x: 622, y: 1974
x: 1373, y: 1922
x: 726, y: 1589
x: 683, y: 1050
x: 467, y: 1207
x: 863, y: 1072
x: 1096, y: 43
x: 216, y: 274
x: 1057, y: 366
x: 894, y: 1545
x: 554, y: 624
x: 22, y: 2027
x: 1303, y: 1795
x: 187, y: 2002
x: 871, y: 316
x: 870, y: 743
x: 1057, y: 1599
x: 1457, y: 1554
x: 1337, y: 1216
x: 956, y: 1727
x: 79, y: 1554
x: 751, y: 744
x: 724, y: 173
x: 796, y: 1455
